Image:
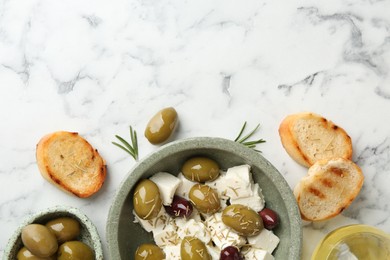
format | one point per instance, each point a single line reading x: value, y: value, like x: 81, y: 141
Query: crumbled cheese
x: 266, y: 240
x: 256, y: 254
x: 184, y: 187
x: 194, y: 229
x: 172, y: 252
x: 167, y: 184
x: 222, y: 235
x: 166, y: 235
x: 255, y: 201
x: 151, y: 224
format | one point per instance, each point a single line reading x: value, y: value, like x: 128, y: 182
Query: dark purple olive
x: 270, y: 218
x: 180, y: 207
x: 230, y: 253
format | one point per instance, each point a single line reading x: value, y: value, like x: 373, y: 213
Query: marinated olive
x: 149, y: 252
x: 75, y: 250
x: 161, y: 125
x: 200, y: 169
x: 65, y: 228
x: 242, y: 219
x: 25, y: 254
x: 147, y: 200
x: 180, y: 207
x: 230, y: 253
x: 270, y: 218
x: 39, y: 240
x: 192, y: 248
x: 204, y: 198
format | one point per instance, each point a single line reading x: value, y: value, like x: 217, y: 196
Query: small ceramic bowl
x: 88, y: 233
x: 124, y: 236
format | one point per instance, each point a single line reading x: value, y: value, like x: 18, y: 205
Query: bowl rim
x: 203, y: 143
x: 75, y: 212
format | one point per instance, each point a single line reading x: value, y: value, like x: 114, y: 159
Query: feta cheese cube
x: 258, y: 254
x: 167, y: 184
x: 266, y: 240
x: 150, y: 224
x: 221, y: 234
x: 166, y: 235
x: 194, y: 229
x: 255, y: 201
x: 172, y: 252
x: 184, y: 187
x: 214, y: 252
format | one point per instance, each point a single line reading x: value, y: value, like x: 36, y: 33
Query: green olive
x: 25, y: 254
x: 192, y: 248
x: 204, y: 198
x: 147, y: 200
x: 161, y: 125
x: 200, y: 169
x: 242, y: 219
x: 75, y: 250
x: 149, y: 252
x: 39, y: 240
x: 65, y: 228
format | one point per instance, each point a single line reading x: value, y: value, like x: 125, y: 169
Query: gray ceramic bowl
x: 88, y: 232
x: 124, y: 236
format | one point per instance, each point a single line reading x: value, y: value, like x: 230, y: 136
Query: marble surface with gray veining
x: 96, y: 67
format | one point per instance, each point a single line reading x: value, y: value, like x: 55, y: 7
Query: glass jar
x: 354, y: 242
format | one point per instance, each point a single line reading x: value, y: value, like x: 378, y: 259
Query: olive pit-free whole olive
x: 39, y: 240
x: 180, y: 207
x: 204, y: 198
x: 230, y: 253
x: 147, y: 199
x: 242, y: 219
x: 75, y: 250
x: 161, y: 125
x: 200, y: 169
x: 64, y: 228
x: 270, y: 218
x: 149, y: 252
x: 25, y: 254
x: 192, y: 248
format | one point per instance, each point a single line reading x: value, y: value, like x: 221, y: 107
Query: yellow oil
x: 354, y: 242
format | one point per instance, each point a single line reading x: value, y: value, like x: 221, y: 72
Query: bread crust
x: 69, y: 162
x: 308, y: 137
x: 328, y: 189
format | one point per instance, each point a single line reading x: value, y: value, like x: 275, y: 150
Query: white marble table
x: 96, y: 67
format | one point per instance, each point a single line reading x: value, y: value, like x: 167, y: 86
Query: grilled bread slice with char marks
x: 69, y: 162
x: 308, y: 138
x: 329, y: 188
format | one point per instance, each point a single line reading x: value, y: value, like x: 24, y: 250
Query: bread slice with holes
x: 308, y: 138
x: 69, y: 162
x: 329, y: 188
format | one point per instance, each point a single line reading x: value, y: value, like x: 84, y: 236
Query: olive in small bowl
x: 88, y: 232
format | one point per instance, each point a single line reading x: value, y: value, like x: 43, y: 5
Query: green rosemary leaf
x: 243, y: 140
x: 132, y: 148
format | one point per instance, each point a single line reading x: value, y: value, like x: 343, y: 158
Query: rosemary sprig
x: 249, y: 144
x: 132, y: 148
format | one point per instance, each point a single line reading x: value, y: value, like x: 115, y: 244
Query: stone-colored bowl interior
x: 124, y: 236
x: 88, y: 232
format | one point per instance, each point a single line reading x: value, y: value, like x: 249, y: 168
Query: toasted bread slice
x: 69, y: 162
x: 329, y: 188
x: 308, y: 138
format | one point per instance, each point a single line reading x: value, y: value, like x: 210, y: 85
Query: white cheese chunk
x: 222, y: 235
x: 258, y: 254
x: 184, y: 187
x: 167, y: 184
x: 194, y: 229
x: 235, y: 183
x: 266, y: 240
x: 214, y: 252
x: 255, y: 201
x: 172, y: 252
x: 166, y: 235
x: 150, y: 224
